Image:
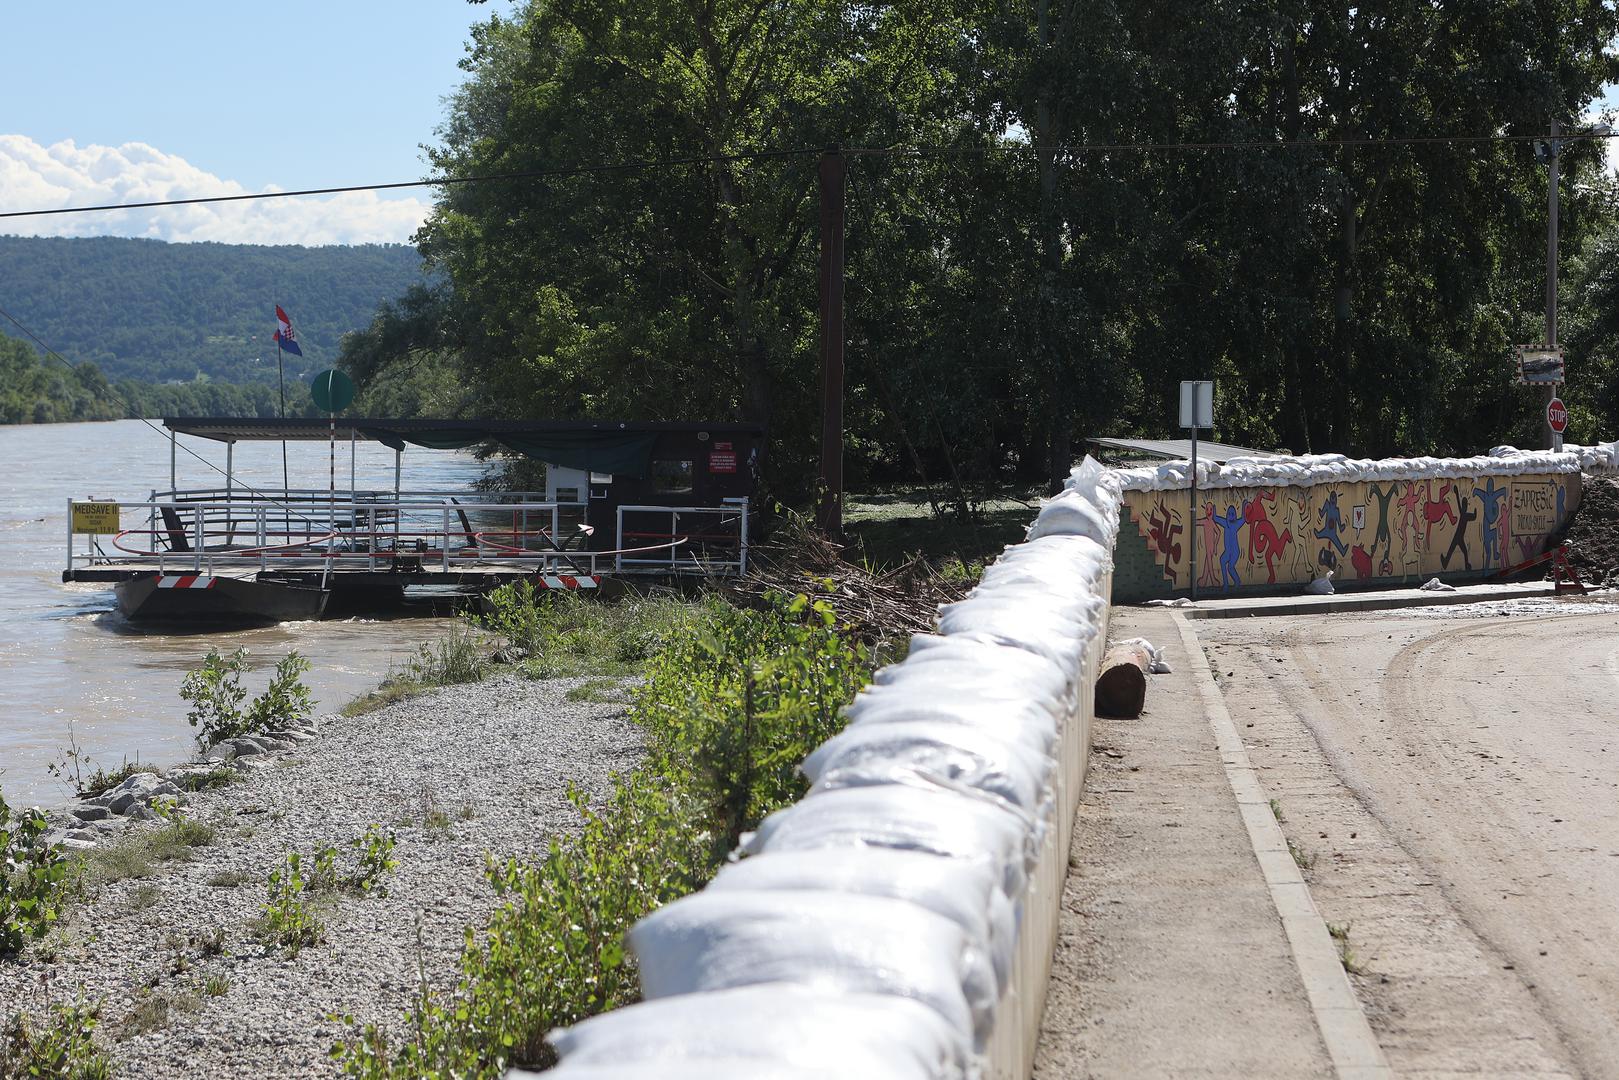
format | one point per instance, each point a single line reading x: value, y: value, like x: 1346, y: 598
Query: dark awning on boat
x: 621, y: 447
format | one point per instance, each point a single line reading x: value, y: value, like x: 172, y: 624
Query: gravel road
x: 1449, y: 780
x: 456, y: 773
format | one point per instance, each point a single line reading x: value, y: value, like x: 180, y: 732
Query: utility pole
x: 834, y: 170
x: 1553, y: 440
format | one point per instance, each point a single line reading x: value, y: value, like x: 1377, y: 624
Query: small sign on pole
x: 1197, y: 411
x: 1557, y: 416
x: 95, y: 518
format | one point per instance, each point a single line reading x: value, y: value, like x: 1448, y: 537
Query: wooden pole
x: 833, y: 173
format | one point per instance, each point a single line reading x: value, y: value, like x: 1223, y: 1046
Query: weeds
x: 1339, y: 932
x: 36, y: 878
x: 60, y: 1046
x: 230, y: 879
x: 215, y: 693
x: 376, y: 860
x: 287, y: 918
x: 598, y: 692
x: 1304, y: 859
x: 151, y: 1013
x: 144, y: 897
x: 1276, y: 811
x: 566, y: 634
x: 207, y: 781
x: 216, y: 985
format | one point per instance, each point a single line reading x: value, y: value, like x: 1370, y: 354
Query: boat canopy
x: 620, y: 447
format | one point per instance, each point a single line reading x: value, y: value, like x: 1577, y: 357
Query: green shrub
x: 35, y: 878
x: 450, y: 660
x: 61, y: 1046
x: 215, y: 693
x: 730, y: 708
x: 565, y: 632
x: 287, y: 918
x: 376, y: 860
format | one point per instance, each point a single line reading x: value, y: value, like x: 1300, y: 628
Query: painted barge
x: 622, y: 499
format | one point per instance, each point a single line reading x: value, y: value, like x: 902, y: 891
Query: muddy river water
x: 72, y: 671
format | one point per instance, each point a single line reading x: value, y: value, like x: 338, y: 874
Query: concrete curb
x: 1322, y: 605
x: 1354, y: 1050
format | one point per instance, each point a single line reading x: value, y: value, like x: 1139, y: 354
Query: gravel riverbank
x: 455, y: 773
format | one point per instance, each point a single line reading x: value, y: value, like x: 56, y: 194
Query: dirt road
x: 1451, y: 785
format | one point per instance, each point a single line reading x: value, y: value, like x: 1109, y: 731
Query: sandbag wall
x: 899, y: 921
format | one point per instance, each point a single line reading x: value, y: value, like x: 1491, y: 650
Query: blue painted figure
x: 1332, y: 524
x: 1230, y: 524
x: 1489, y: 497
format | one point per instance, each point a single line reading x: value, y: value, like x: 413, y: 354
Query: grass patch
x: 216, y: 985
x: 137, y: 855
x: 208, y: 781
x: 566, y: 634
x: 144, y: 897
x: 230, y: 879
x: 892, y: 527
x: 1276, y: 810
x: 394, y: 688
x: 151, y: 1013
x: 1304, y: 859
x: 600, y: 692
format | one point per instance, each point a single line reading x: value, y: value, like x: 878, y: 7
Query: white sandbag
x: 1072, y: 514
x: 1321, y: 586
x: 1032, y: 723
x: 904, y: 817
x: 932, y: 654
x: 830, y: 941
x: 706, y: 1069
x: 965, y: 891
x: 767, y: 1028
x: 1071, y: 566
x: 972, y: 757
x: 1014, y: 616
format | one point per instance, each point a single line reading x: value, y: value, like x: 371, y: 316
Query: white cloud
x: 35, y: 177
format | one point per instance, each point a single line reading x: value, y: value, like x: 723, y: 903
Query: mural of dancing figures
x: 1273, y: 537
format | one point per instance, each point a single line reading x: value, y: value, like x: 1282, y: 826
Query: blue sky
x: 292, y: 94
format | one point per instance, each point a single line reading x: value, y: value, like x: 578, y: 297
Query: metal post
x: 1553, y: 440
x: 173, y: 484
x: 399, y: 457
x: 353, y: 490
x: 742, y: 548
x: 618, y: 544
x: 1191, y: 532
x: 70, y: 534
x: 833, y: 172
x: 446, y: 540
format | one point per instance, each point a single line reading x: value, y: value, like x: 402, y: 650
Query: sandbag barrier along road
x: 899, y: 920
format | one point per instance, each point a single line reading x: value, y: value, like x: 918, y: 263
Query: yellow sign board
x: 95, y: 517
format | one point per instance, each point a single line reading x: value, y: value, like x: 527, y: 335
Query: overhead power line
x: 860, y: 151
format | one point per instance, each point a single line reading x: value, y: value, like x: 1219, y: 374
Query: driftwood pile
x: 871, y: 606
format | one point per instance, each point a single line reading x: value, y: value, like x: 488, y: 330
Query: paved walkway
x: 1171, y: 957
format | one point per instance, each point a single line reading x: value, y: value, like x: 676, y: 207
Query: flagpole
x: 281, y: 379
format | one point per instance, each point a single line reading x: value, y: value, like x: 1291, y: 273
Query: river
x: 72, y: 671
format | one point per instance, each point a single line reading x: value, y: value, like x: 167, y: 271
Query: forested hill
x: 160, y: 312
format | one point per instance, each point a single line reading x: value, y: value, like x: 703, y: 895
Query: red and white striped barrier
x: 185, y: 581
x: 566, y: 581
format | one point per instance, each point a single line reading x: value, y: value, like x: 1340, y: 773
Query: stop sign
x: 1556, y: 415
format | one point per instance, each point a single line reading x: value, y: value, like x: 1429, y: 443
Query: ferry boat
x: 622, y: 499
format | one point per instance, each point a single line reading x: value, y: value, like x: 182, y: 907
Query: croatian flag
x: 284, y: 336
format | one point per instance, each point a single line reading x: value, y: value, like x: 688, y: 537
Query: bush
x: 565, y: 632
x: 730, y: 708
x: 216, y: 694
x: 451, y: 659
x: 376, y: 860
x: 35, y: 878
x: 61, y: 1047
x: 287, y: 918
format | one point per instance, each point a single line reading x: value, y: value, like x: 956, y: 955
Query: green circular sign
x: 332, y: 391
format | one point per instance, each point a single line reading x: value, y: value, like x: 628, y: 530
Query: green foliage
x: 35, y: 878
x: 744, y: 700
x: 216, y: 693
x: 564, y: 633
x: 376, y: 860
x: 453, y: 658
x: 287, y: 918
x: 60, y: 1046
x: 730, y: 705
x: 159, y: 312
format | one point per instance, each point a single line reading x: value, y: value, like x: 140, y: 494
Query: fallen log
x: 1121, y: 688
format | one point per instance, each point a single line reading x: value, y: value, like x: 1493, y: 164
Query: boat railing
x: 410, y: 532
x: 713, y: 539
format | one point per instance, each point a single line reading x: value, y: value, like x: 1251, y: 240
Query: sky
x: 186, y: 98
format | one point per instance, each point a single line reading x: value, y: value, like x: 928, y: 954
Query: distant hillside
x: 160, y: 312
